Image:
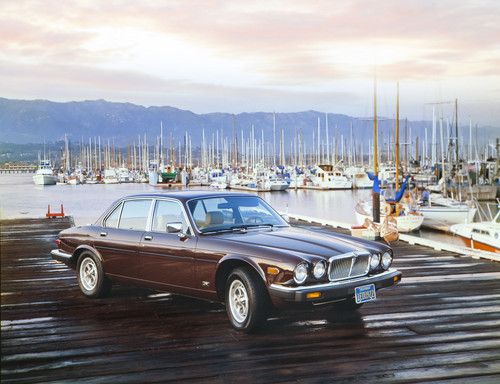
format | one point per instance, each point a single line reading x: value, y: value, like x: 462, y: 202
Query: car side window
x: 135, y: 214
x: 167, y: 212
x: 112, y: 219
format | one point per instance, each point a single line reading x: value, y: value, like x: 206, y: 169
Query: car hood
x: 306, y: 244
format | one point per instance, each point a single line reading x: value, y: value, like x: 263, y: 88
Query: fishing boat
x: 483, y: 235
x: 326, y: 177
x: 44, y: 174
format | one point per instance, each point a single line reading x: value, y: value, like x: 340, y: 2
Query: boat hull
x: 45, y: 179
x: 279, y: 187
x: 441, y: 218
x: 408, y: 223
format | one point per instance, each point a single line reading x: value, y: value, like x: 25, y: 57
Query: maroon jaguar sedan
x: 231, y: 247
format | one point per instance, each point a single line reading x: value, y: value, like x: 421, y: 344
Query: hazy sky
x: 235, y: 56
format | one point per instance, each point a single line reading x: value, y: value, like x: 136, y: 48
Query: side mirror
x: 174, y: 227
x: 285, y: 217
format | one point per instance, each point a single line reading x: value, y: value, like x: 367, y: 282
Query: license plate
x: 365, y: 293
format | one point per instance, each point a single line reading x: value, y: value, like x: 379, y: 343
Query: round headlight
x: 386, y: 260
x: 374, y: 261
x: 319, y: 269
x: 300, y: 273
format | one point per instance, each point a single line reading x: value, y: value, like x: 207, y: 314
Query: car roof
x: 188, y: 195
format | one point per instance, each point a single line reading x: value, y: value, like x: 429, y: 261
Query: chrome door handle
x: 149, y: 238
x: 104, y: 234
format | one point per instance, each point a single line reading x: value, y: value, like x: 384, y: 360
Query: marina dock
x: 441, y: 323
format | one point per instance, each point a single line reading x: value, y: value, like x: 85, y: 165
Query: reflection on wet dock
x: 441, y: 323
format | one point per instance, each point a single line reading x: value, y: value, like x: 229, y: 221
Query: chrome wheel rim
x: 88, y: 274
x: 238, y: 301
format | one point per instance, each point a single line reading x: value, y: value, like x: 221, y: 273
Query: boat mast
x: 375, y: 192
x: 397, y: 138
x: 327, y: 140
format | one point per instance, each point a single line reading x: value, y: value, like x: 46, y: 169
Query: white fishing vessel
x: 44, y: 174
x: 326, y: 177
x: 483, y: 235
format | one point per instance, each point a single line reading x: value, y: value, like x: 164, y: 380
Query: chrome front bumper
x: 334, y: 290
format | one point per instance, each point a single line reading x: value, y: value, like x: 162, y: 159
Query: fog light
x: 374, y: 261
x: 386, y: 260
x: 319, y: 269
x: 300, y: 273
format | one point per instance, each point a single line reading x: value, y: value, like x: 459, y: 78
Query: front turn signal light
x: 313, y: 295
x: 273, y: 271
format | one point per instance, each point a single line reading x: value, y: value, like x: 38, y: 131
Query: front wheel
x: 91, y: 278
x: 246, y: 300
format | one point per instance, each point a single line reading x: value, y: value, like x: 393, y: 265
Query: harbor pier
x: 442, y: 322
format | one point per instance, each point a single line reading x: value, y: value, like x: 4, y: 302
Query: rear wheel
x: 246, y: 300
x: 91, y: 278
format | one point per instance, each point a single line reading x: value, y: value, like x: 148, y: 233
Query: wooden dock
x: 442, y: 323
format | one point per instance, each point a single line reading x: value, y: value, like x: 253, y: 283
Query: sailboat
x: 407, y: 219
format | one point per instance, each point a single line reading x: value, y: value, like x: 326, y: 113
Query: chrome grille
x: 348, y: 266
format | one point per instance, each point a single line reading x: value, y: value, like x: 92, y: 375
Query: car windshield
x: 232, y: 213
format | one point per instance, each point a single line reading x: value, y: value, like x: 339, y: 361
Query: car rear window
x: 135, y: 214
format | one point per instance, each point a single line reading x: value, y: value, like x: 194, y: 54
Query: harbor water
x: 19, y: 197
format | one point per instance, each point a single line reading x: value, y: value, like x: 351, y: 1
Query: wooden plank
x: 442, y: 323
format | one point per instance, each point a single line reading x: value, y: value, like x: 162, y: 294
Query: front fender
x: 244, y: 259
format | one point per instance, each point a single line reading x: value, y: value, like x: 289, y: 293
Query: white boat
x: 443, y: 212
x: 441, y: 218
x: 219, y: 184
x: 269, y: 180
x: 297, y: 180
x: 408, y: 221
x: 44, y: 174
x: 484, y: 235
x: 124, y: 175
x: 110, y: 176
x: 328, y: 178
x: 387, y: 174
x: 73, y: 180
x: 359, y: 177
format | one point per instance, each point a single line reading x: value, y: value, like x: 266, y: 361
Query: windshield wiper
x: 237, y: 228
x: 217, y: 231
x: 246, y: 226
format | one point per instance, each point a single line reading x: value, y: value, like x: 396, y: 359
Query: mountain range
x: 36, y: 121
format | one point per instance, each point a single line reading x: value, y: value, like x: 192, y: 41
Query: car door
x: 119, y: 238
x: 168, y: 257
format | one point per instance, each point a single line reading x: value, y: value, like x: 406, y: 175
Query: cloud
x: 218, y: 50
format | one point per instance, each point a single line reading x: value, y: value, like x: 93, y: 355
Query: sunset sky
x: 235, y: 56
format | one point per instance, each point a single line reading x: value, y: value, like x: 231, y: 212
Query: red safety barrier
x: 51, y: 215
